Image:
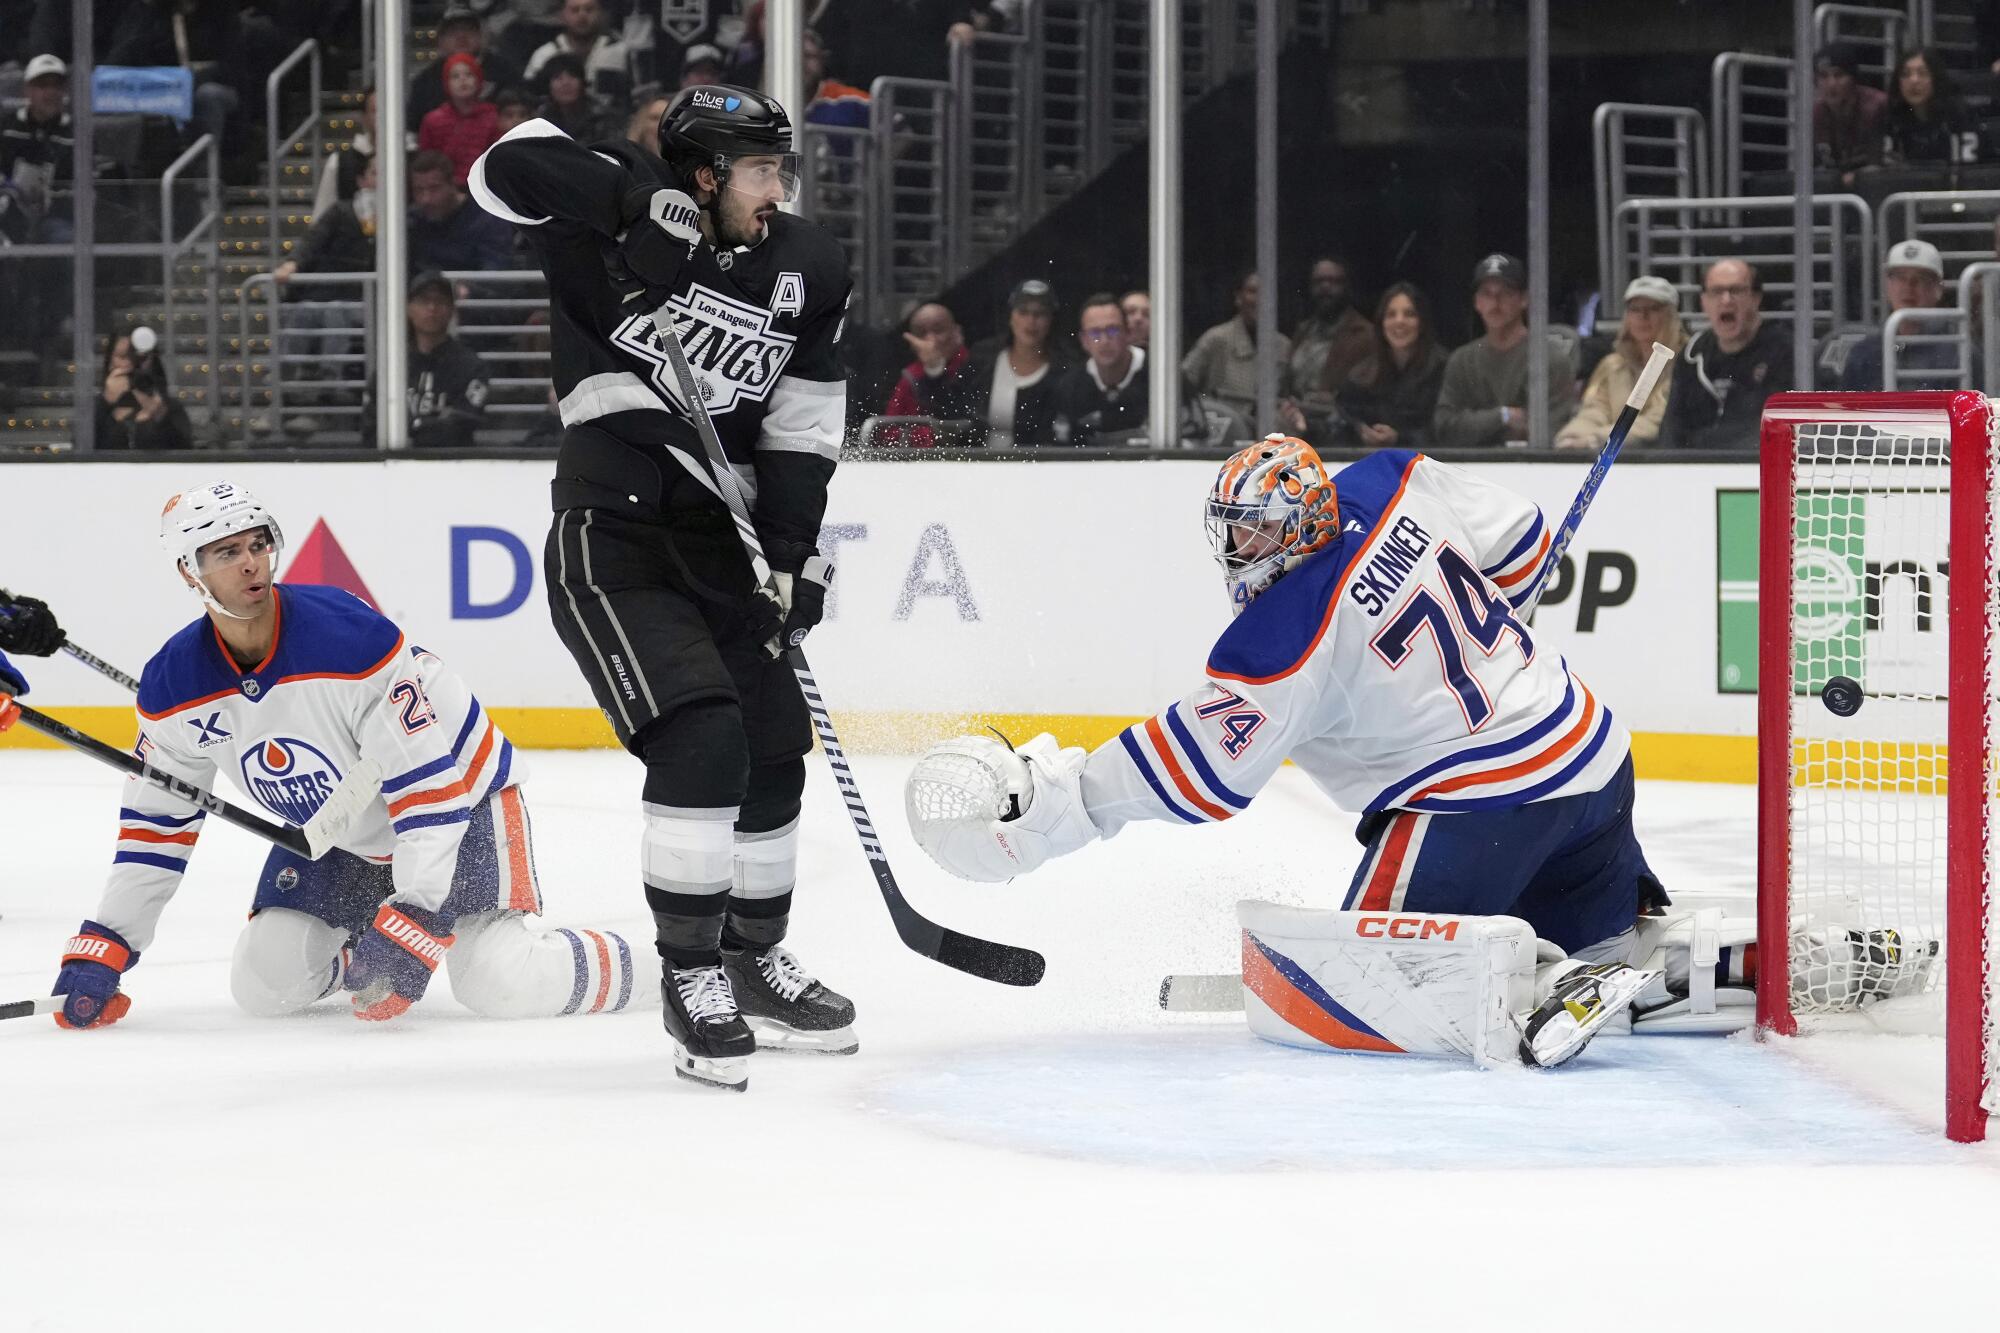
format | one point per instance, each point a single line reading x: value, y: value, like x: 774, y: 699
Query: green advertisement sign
x: 1830, y: 582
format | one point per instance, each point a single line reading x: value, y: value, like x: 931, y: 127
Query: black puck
x: 1842, y: 696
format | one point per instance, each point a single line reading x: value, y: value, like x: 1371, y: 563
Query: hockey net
x: 1876, y: 693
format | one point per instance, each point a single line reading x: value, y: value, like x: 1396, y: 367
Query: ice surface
x: 1067, y: 1155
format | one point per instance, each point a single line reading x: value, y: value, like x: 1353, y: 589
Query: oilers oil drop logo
x: 288, y: 777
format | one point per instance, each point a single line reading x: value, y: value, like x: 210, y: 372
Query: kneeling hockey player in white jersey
x: 290, y: 688
x: 1376, y: 645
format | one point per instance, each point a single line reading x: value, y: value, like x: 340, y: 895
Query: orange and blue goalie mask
x: 1272, y: 505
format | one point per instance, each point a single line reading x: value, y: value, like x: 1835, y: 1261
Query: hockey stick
x: 1656, y: 365
x: 1222, y: 992
x: 41, y: 1004
x: 1004, y: 963
x: 347, y: 800
x: 8, y: 610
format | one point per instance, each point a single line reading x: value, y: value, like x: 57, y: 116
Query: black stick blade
x: 1004, y: 963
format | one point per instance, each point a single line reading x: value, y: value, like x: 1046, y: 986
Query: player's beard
x: 736, y: 223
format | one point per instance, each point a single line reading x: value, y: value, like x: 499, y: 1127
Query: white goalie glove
x: 986, y: 812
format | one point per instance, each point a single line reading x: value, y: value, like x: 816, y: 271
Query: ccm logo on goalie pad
x: 1404, y: 928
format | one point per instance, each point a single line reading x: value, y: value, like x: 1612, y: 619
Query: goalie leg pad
x: 286, y: 960
x: 1387, y: 982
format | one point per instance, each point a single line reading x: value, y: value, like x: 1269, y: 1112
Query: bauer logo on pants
x: 288, y: 777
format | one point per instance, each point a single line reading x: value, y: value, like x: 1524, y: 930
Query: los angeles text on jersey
x: 1383, y: 573
x: 734, y: 352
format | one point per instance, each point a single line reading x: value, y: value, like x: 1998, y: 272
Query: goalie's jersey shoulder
x: 323, y: 633
x: 1277, y: 632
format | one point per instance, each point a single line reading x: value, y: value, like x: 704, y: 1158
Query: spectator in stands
x: 1016, y: 376
x: 448, y: 380
x: 135, y: 405
x: 460, y: 32
x: 1484, y: 400
x: 206, y: 37
x: 828, y: 101
x: 446, y: 229
x: 1388, y: 399
x: 644, y: 126
x: 569, y: 105
x: 584, y: 37
x: 37, y: 153
x: 1223, y: 362
x: 1652, y: 315
x: 702, y: 65
x: 340, y: 175
x: 1850, y: 119
x: 1138, y: 308
x: 1928, y: 122
x: 466, y: 125
x: 519, y: 27
x: 1728, y: 369
x: 1103, y: 401
x: 513, y: 109
x: 940, y: 383
x: 1912, y: 279
x: 900, y: 38
x: 1331, y: 340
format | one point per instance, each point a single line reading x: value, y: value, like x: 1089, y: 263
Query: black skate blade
x: 1004, y: 963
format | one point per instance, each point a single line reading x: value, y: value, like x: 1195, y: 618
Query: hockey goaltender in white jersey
x: 1377, y: 645
x: 290, y: 689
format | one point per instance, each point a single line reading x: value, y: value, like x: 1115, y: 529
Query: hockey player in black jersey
x: 649, y: 586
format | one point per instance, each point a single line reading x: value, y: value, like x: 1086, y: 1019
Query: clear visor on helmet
x: 223, y: 552
x: 773, y: 176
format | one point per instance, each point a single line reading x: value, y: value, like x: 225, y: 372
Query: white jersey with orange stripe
x: 1389, y: 666
x: 340, y: 684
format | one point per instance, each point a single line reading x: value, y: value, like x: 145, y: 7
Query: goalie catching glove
x: 988, y: 812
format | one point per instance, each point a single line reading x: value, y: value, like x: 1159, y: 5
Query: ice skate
x: 712, y: 1044
x: 1579, y: 1006
x: 788, y: 1009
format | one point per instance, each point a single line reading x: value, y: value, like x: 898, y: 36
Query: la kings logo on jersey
x: 735, y: 354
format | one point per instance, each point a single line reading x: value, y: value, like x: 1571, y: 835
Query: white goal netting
x: 1870, y: 828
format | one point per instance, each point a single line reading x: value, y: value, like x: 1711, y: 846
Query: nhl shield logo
x: 289, y: 777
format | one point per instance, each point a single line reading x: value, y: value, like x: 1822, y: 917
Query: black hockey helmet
x: 709, y: 125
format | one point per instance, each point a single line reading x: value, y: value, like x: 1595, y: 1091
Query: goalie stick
x: 313, y: 841
x: 1005, y: 963
x: 1222, y: 992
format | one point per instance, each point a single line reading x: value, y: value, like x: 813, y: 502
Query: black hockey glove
x: 27, y: 626
x: 662, y: 229
x: 804, y: 597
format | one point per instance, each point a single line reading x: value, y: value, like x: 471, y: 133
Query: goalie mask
x: 206, y: 514
x: 1272, y: 505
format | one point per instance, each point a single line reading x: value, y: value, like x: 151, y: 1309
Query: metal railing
x: 837, y: 166
x: 1878, y: 31
x: 1979, y: 286
x: 1676, y: 239
x: 1750, y: 114
x: 1906, y: 362
x: 206, y: 228
x: 911, y: 254
x: 1960, y: 223
x: 993, y: 148
x: 1642, y: 151
x: 308, y: 52
x: 483, y: 324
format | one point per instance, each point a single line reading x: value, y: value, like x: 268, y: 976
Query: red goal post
x: 1875, y: 842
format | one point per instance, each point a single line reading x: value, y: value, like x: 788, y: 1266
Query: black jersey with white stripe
x: 761, y: 326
